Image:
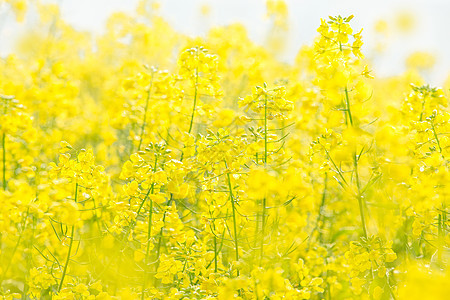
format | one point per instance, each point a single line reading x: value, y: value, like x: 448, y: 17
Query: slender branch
x: 347, y: 101
x: 67, y: 259
x: 4, y: 159
x: 70, y: 246
x: 236, y: 245
x: 149, y: 233
x: 145, y: 112
x: 359, y: 196
x: 195, y: 95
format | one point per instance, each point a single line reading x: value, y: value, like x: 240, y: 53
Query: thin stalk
x: 145, y: 112
x: 67, y: 259
x: 140, y: 207
x: 322, y: 204
x: 422, y: 111
x: 263, y: 217
x: 265, y: 130
x: 195, y: 97
x: 4, y: 160
x: 355, y: 164
x: 29, y: 258
x: 213, y: 228
x: 148, y: 247
x: 215, y: 254
x: 216, y: 250
x: 66, y: 264
x: 436, y: 137
x: 263, y: 227
x: 347, y: 101
x: 359, y: 196
x: 24, y: 223
x: 149, y: 233
x: 158, y: 247
x: 338, y: 170
x: 258, y: 216
x: 234, y: 215
x: 442, y: 220
x: 5, y: 110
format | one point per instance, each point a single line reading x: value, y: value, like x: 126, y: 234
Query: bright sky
x: 430, y: 32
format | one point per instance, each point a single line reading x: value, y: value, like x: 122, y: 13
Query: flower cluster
x: 140, y: 167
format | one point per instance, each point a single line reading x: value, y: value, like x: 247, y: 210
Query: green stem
x: 24, y: 223
x: 263, y: 219
x: 234, y: 215
x: 359, y: 196
x: 5, y: 110
x: 70, y: 246
x: 145, y: 112
x: 265, y: 130
x: 338, y: 170
x: 263, y: 227
x: 442, y: 219
x: 149, y: 233
x: 215, y: 254
x: 422, y: 111
x: 255, y: 242
x: 349, y: 112
x: 148, y: 247
x: 4, y: 160
x: 67, y: 259
x: 436, y: 137
x: 29, y: 258
x: 158, y: 247
x: 355, y: 164
x: 322, y: 204
x: 195, y: 96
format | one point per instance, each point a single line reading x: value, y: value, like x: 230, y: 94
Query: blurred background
x: 397, y: 33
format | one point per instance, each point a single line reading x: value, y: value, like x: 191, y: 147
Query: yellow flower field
x: 147, y: 164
